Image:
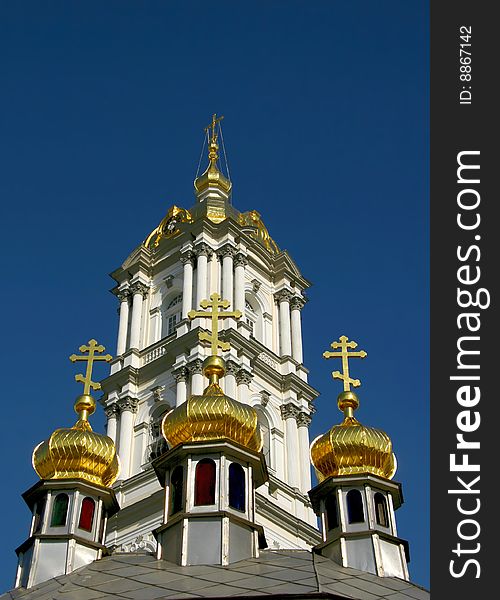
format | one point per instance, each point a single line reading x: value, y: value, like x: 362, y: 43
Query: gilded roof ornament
x: 213, y: 415
x: 78, y: 452
x: 351, y: 448
x: 212, y: 177
x: 169, y: 226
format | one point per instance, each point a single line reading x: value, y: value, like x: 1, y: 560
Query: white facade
x: 159, y: 361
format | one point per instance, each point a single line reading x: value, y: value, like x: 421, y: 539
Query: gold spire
x: 350, y: 447
x: 212, y: 177
x: 213, y: 415
x: 79, y: 452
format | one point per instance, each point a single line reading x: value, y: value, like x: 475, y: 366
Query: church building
x: 202, y: 486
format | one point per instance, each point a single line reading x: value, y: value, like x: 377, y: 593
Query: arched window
x: 237, y: 487
x: 87, y: 514
x: 59, y: 510
x: 332, y: 517
x: 157, y: 443
x: 204, y: 483
x: 39, y: 512
x: 176, y: 489
x: 171, y: 315
x: 355, y: 512
x: 381, y: 515
x: 253, y: 317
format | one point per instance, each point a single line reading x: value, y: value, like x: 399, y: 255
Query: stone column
x: 128, y: 408
x: 139, y: 291
x: 226, y: 254
x: 203, y: 253
x: 283, y: 298
x: 303, y: 422
x: 296, y: 305
x: 232, y: 369
x: 181, y: 376
x: 112, y: 411
x: 243, y: 379
x: 289, y: 413
x: 187, y: 260
x: 196, y: 371
x: 123, y: 296
x: 240, y: 262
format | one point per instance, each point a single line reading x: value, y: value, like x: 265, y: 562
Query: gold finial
x: 345, y: 355
x: 92, y: 348
x: 214, y: 303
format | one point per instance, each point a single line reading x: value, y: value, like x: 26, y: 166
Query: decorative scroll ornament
x: 169, y: 226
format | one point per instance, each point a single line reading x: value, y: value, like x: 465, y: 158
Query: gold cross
x: 345, y: 355
x: 212, y: 126
x: 92, y: 348
x: 216, y: 303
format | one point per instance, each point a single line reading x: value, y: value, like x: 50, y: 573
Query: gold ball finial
x: 214, y: 367
x: 348, y: 402
x: 85, y: 406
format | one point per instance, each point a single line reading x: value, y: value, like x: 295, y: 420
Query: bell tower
x: 196, y: 251
x: 356, y: 498
x: 73, y: 500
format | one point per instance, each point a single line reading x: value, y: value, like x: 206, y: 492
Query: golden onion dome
x: 212, y: 177
x: 78, y: 452
x: 213, y: 415
x: 352, y: 448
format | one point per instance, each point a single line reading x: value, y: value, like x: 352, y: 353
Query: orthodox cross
x: 214, y: 304
x: 345, y: 355
x: 213, y: 125
x: 92, y: 348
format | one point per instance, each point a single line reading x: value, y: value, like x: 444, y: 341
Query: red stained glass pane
x: 87, y: 514
x: 204, y: 484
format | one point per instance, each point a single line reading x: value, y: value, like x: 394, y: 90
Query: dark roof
x: 276, y: 573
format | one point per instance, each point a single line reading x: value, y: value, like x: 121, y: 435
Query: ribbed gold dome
x: 213, y: 416
x: 78, y: 452
x: 351, y: 448
x: 212, y: 177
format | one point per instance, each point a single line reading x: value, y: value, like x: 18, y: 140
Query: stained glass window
x: 177, y: 485
x: 204, y: 483
x: 236, y: 487
x: 59, y: 510
x: 87, y: 514
x: 355, y: 512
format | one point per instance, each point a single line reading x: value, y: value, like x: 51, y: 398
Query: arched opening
x: 332, y: 515
x: 253, y: 318
x: 59, y: 510
x: 381, y: 514
x: 355, y: 511
x: 171, y: 314
x: 176, y: 490
x: 237, y: 487
x: 87, y: 514
x: 157, y: 443
x: 204, y: 483
x: 39, y: 513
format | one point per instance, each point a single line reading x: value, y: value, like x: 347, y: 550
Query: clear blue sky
x: 327, y: 133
